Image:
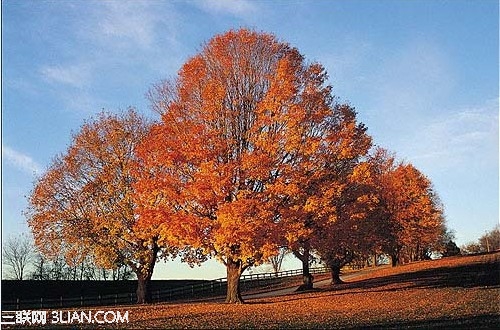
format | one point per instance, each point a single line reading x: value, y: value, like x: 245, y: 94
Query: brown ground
x: 458, y: 292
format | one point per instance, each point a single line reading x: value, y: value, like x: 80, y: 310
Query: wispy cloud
x: 408, y: 91
x: 116, y: 37
x: 232, y: 7
x: 469, y: 134
x: 128, y: 23
x: 131, y: 34
x: 75, y: 75
x: 412, y: 112
x: 22, y: 161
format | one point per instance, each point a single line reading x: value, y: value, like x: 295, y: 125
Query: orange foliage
x: 252, y: 153
x: 250, y: 131
x: 358, y: 228
x: 413, y: 206
x: 83, y: 205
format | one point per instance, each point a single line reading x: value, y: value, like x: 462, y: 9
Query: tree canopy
x: 83, y: 204
x: 253, y: 153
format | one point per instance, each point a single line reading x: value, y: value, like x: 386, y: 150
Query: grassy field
x: 459, y: 292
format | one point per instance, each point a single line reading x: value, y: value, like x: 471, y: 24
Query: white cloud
x: 77, y: 75
x: 232, y: 7
x: 128, y: 23
x: 407, y: 97
x: 23, y: 162
x: 466, y: 135
x: 113, y: 39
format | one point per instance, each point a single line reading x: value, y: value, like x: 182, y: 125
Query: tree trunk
x: 395, y: 260
x: 234, y: 270
x: 143, y: 292
x: 307, y: 278
x: 144, y: 273
x: 335, y: 270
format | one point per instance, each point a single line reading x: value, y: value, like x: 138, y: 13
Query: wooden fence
x: 206, y: 289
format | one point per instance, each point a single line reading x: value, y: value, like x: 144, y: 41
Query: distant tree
x: 17, y: 254
x: 39, y: 267
x: 447, y: 246
x: 325, y: 185
x: 415, y: 211
x: 277, y: 260
x: 471, y: 248
x: 490, y: 241
x: 54, y: 268
x: 84, y: 204
x: 451, y: 249
x: 57, y: 268
x: 358, y: 227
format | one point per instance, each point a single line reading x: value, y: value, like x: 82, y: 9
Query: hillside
x: 459, y: 292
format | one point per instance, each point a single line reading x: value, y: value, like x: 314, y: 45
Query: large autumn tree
x: 242, y: 127
x: 83, y: 204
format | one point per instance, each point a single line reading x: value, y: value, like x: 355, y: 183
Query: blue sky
x: 423, y: 76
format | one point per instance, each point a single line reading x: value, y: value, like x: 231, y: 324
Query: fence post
x: 61, y: 302
x: 41, y: 303
x: 17, y: 304
x: 81, y: 301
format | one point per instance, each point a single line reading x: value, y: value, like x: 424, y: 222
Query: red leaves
x: 224, y: 150
x: 252, y: 152
x: 376, y: 299
x: 84, y: 204
x: 414, y: 215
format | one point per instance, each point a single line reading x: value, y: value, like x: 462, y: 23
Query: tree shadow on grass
x: 485, y: 321
x: 464, y: 276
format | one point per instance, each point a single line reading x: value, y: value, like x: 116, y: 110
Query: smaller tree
x: 414, y: 209
x: 324, y: 189
x: 451, y: 249
x: 17, y: 254
x: 447, y: 245
x: 490, y: 241
x: 470, y: 248
x: 84, y: 204
x: 357, y: 227
x: 40, y: 269
x: 277, y: 260
x: 85, y: 268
